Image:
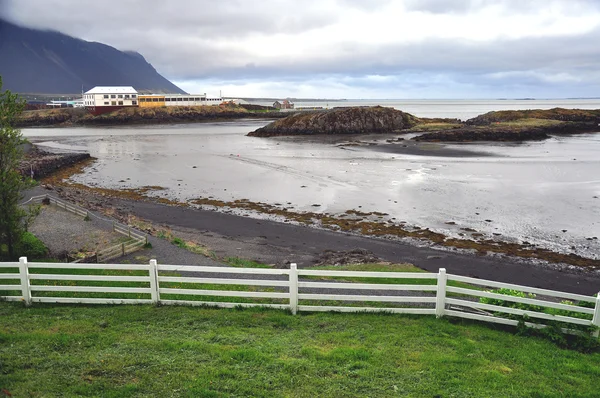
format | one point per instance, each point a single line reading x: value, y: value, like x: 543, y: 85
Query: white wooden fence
x: 439, y: 294
x: 137, y: 241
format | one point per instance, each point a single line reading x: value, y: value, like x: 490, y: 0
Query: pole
x: 440, y: 302
x: 293, y: 288
x: 25, y: 286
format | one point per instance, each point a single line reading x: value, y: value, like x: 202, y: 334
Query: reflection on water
x: 529, y: 191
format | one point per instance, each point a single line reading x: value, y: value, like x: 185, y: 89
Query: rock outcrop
x: 560, y: 114
x: 358, y: 120
x: 468, y: 135
x: 508, y: 133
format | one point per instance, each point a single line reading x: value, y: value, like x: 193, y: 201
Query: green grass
x: 139, y: 351
x: 433, y: 126
x: 243, y: 263
x: 529, y: 122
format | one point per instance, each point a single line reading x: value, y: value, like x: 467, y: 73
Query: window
x: 113, y: 96
x: 167, y: 99
x: 133, y: 95
x: 196, y: 99
x: 113, y: 103
x: 105, y: 95
x: 126, y: 95
x: 155, y: 99
x: 133, y: 102
x: 120, y: 102
x: 120, y: 95
x: 105, y: 102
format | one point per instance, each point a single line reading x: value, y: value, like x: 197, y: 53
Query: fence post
x: 25, y: 287
x: 596, y: 319
x: 154, y: 293
x: 440, y: 303
x: 123, y: 248
x: 129, y: 231
x: 293, y: 288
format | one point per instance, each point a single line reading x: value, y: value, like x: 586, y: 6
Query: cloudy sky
x: 347, y: 48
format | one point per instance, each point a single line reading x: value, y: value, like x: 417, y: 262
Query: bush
x: 512, y: 304
x: 582, y: 341
x: 31, y: 247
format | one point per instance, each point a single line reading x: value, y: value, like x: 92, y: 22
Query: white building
x: 103, y: 99
x: 190, y: 100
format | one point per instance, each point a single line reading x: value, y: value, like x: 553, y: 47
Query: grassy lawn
x: 121, y: 351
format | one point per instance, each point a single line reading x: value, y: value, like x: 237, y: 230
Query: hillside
x: 47, y: 62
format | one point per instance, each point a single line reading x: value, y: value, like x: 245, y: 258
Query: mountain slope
x: 47, y: 62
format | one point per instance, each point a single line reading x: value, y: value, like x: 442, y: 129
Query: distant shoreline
x: 506, y: 125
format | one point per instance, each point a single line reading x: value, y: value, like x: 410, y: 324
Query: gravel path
x: 164, y: 252
x: 64, y: 232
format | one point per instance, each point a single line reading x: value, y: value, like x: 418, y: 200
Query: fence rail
x: 294, y: 289
x: 137, y: 239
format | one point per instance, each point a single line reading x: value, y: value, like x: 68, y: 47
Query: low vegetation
x: 134, y: 351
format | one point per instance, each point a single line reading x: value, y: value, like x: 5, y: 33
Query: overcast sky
x: 347, y: 48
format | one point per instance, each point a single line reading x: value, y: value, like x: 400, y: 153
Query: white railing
x: 295, y: 289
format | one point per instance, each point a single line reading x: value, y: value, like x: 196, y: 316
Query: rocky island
x: 357, y: 120
x: 524, y: 125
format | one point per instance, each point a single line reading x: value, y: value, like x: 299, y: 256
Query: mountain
x: 48, y: 62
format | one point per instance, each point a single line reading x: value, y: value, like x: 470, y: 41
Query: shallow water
x: 529, y: 191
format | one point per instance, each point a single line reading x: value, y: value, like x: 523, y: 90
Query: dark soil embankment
x: 43, y: 163
x: 359, y: 120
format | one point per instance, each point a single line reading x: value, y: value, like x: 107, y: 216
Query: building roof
x: 112, y: 90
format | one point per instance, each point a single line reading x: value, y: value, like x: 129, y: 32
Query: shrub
x: 582, y: 341
x: 511, y: 304
x: 30, y: 246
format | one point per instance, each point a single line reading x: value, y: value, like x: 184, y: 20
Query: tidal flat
x: 543, y: 193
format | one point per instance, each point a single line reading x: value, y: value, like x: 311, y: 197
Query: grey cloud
x: 563, y: 54
x: 181, y: 40
x: 202, y: 18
